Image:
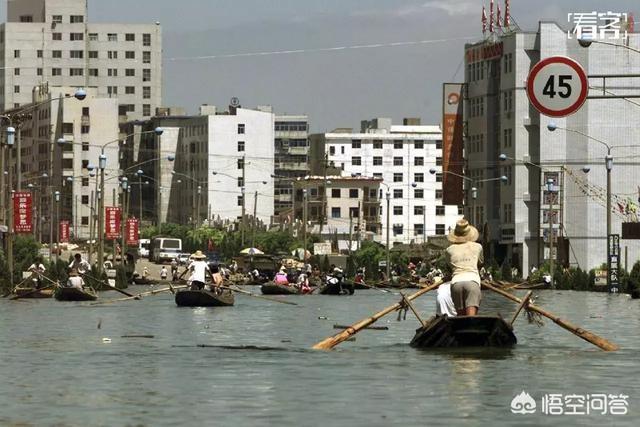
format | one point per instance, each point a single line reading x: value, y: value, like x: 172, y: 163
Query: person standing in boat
x: 74, y: 280
x: 464, y: 256
x: 37, y: 270
x: 81, y: 265
x: 217, y: 279
x: 199, y: 269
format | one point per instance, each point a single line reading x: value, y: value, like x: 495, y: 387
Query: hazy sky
x: 336, y: 88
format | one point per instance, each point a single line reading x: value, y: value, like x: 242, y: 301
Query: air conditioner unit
x: 526, y: 196
x: 526, y: 158
x: 526, y: 121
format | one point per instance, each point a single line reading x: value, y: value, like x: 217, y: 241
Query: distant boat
x: 272, y: 288
x: 28, y: 292
x: 464, y: 331
x: 203, y: 298
x: 74, y: 294
x: 346, y: 288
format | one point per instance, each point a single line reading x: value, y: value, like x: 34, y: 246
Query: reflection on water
x: 251, y: 364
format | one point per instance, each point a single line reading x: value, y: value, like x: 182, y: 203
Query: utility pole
x: 91, y: 214
x: 359, y: 224
x: 140, y: 199
x: 388, y: 222
x: 57, y: 196
x: 550, y: 220
x: 242, y: 190
x: 424, y: 224
x: 350, y: 230
x: 255, y: 221
x: 304, y: 217
x: 324, y: 195
x: 101, y: 196
x: 197, y: 224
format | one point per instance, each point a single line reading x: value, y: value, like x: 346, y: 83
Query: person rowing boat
x: 464, y: 256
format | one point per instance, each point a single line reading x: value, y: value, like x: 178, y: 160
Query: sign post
x: 112, y: 223
x: 64, y: 231
x: 613, y: 263
x: 557, y: 86
x: 22, y: 212
x: 131, y: 232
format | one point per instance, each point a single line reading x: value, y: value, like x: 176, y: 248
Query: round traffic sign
x: 557, y: 86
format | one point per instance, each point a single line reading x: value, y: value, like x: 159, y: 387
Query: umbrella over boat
x: 252, y: 251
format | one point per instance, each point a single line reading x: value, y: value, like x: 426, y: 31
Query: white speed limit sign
x: 557, y: 86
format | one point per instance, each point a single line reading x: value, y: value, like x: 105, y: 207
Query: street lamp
x: 57, y: 197
x: 551, y: 235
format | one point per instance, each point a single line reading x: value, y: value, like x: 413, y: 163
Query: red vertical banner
x: 64, y: 231
x: 112, y: 223
x: 131, y: 232
x: 452, y: 160
x: 23, y: 212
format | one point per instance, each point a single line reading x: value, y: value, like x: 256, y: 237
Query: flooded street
x: 251, y: 364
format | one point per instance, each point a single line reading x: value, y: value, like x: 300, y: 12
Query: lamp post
x: 140, y: 172
x: 57, y: 197
x: 305, y: 203
x: 550, y: 220
x: 10, y: 141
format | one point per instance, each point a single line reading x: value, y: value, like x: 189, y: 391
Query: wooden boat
x: 74, y: 294
x: 346, y: 288
x: 28, y: 292
x: 464, y: 331
x: 203, y: 298
x: 272, y: 288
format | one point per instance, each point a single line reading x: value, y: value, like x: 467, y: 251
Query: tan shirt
x: 464, y: 259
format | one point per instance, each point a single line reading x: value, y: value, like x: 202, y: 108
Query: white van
x: 143, y: 248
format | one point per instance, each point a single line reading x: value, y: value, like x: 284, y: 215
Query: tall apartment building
x: 400, y: 155
x: 291, y: 159
x: 47, y: 166
x: 51, y: 41
x: 223, y: 159
x: 500, y: 120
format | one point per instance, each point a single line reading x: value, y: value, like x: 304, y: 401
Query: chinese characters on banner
x: 22, y: 212
x: 452, y: 193
x: 600, y: 25
x: 63, y: 235
x: 112, y: 223
x: 613, y: 267
x: 131, y: 232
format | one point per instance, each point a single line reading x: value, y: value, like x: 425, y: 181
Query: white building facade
x: 51, y: 41
x: 402, y: 156
x: 500, y: 120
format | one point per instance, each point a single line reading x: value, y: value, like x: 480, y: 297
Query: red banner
x: 112, y: 223
x: 132, y: 232
x: 23, y: 212
x: 63, y: 232
x: 452, y: 159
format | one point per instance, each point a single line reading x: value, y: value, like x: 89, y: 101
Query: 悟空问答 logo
x: 523, y: 403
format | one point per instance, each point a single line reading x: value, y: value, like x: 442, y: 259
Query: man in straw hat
x: 464, y: 255
x: 199, y: 269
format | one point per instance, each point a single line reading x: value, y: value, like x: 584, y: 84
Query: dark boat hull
x: 75, y: 294
x: 464, y: 331
x: 202, y: 298
x: 272, y: 288
x: 330, y: 289
x: 33, y: 293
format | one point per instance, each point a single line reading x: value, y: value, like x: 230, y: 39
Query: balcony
x: 291, y: 166
x: 298, y: 151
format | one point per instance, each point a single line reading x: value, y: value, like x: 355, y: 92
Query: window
x: 112, y: 72
x: 397, y: 229
x: 85, y: 129
x: 85, y: 200
x: 377, y: 144
x: 440, y: 229
x: 130, y: 54
x: 332, y: 150
x: 241, y: 128
x: 397, y: 161
x: 16, y: 71
x: 67, y: 128
x: 507, y: 138
x: 93, y: 72
x: 76, y: 37
x: 75, y: 72
x: 146, y: 109
x: 85, y: 147
x: 397, y: 193
x: 418, y: 229
x: 130, y: 72
x: 418, y: 210
x: 112, y: 37
x: 356, y: 161
x: 397, y: 210
x: 335, y: 193
x: 146, y: 39
x: 85, y: 182
x: 439, y: 210
x: 84, y: 220
x: 16, y: 89
x: 112, y: 54
x: 112, y: 90
x: 418, y: 145
x: 353, y: 193
x: 56, y: 19
x: 39, y: 71
x: 240, y: 146
x: 129, y: 90
x: 439, y: 177
x: 356, y: 143
x: 397, y: 144
x: 342, y: 149
x: 76, y: 19
x: 439, y: 144
x: 56, y: 71
x: 240, y: 200
x: 123, y: 109
x: 377, y: 175
x: 418, y: 177
x: 39, y: 53
x: 377, y: 161
x: 85, y: 111
x: 397, y: 177
x: 16, y: 53
x: 93, y: 54
x: 146, y: 57
x: 56, y: 36
x: 240, y: 163
x: 438, y: 161
x: 240, y: 182
x: 418, y: 161
x: 93, y: 37
x: 85, y: 164
x: 56, y: 54
x: 130, y: 37
x: 335, y: 213
x: 354, y: 213
x: 26, y: 18
x: 438, y: 194
x: 76, y: 54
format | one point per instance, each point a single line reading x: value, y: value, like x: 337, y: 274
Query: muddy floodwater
x: 73, y: 364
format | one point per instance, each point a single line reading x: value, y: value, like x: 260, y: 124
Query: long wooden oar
x: 579, y: 332
x: 15, y: 297
x: 329, y: 343
x: 107, y: 284
x: 251, y: 294
x: 140, y: 295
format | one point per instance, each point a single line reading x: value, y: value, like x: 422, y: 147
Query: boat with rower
x: 64, y: 293
x: 464, y: 331
x: 204, y: 298
x: 273, y: 288
x: 34, y: 293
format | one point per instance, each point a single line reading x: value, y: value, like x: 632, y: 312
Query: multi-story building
x: 223, y: 165
x: 59, y: 138
x: 291, y: 160
x: 501, y: 120
x: 350, y: 210
x: 402, y: 156
x: 51, y: 41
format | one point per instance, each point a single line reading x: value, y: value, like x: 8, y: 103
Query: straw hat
x: 73, y: 272
x: 198, y: 255
x: 464, y: 232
